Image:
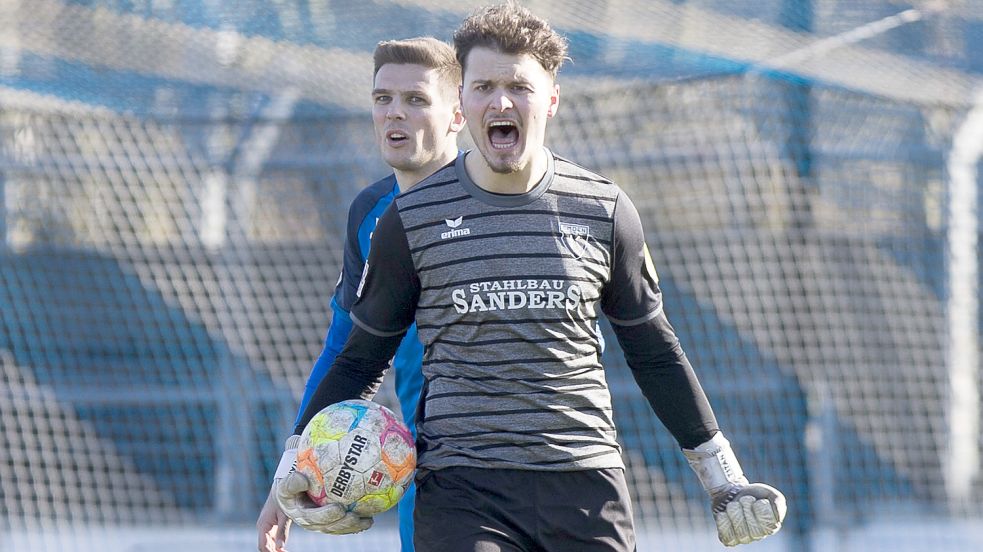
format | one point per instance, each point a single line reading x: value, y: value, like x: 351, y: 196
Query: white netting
x: 174, y: 181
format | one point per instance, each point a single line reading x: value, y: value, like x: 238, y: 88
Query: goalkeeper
x: 504, y: 260
x: 417, y: 118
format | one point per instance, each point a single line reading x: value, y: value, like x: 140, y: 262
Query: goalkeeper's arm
x: 743, y: 512
x: 356, y: 373
x: 388, y: 296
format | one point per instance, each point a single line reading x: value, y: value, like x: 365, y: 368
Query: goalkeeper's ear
x: 554, y: 105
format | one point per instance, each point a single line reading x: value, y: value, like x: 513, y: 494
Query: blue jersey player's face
x: 416, y: 115
x: 507, y: 99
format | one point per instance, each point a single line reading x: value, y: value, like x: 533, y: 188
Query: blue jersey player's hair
x: 511, y: 29
x: 426, y: 51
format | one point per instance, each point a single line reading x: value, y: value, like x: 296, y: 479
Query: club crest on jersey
x: 455, y: 228
x: 575, y: 238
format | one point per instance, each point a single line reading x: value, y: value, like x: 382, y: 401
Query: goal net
x: 174, y: 182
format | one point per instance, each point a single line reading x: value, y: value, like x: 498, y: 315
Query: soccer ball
x: 356, y: 453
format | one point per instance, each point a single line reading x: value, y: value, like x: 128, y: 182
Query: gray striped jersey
x: 506, y: 291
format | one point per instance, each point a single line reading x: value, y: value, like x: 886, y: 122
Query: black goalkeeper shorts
x: 490, y: 510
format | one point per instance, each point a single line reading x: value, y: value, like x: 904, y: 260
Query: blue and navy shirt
x: 363, y: 214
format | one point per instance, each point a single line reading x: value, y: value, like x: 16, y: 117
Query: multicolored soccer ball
x: 357, y: 453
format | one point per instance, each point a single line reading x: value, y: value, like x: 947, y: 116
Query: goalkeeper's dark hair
x: 511, y: 29
x: 424, y: 50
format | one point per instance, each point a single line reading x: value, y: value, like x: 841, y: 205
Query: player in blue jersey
x: 416, y: 115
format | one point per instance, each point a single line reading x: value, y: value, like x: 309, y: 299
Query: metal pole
x: 3, y: 214
x: 823, y: 447
x: 962, y: 457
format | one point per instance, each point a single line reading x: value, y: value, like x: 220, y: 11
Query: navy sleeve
x: 633, y: 295
x: 390, y: 287
x: 353, y: 261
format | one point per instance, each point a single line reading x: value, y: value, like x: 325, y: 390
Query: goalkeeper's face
x: 417, y: 116
x: 507, y: 99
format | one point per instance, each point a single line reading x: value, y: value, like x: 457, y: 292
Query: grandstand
x: 173, y: 177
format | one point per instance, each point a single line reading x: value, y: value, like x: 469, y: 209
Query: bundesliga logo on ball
x: 356, y: 453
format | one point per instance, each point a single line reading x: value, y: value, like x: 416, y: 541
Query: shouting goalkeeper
x: 505, y: 259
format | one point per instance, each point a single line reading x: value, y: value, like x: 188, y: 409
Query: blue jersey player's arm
x: 363, y: 213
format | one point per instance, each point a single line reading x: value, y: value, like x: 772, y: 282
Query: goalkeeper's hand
x: 290, y: 491
x: 333, y: 519
x: 744, y: 512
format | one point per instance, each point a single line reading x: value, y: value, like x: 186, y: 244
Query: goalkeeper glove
x: 290, y: 490
x: 744, y: 512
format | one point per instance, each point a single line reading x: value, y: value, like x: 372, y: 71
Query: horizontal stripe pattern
x: 507, y: 312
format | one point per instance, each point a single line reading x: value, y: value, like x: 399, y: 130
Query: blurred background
x: 174, y: 183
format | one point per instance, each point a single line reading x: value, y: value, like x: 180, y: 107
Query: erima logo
x: 456, y: 232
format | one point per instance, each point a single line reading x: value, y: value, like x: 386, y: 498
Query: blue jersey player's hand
x: 273, y: 526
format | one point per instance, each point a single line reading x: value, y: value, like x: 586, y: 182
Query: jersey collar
x: 505, y: 200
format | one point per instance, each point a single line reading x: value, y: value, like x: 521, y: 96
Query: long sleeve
x: 667, y: 380
x: 632, y: 301
x: 356, y: 373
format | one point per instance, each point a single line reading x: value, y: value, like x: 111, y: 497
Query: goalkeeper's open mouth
x: 502, y: 134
